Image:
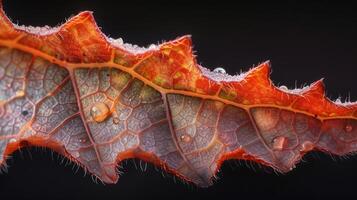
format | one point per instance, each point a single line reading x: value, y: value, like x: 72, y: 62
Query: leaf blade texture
x: 98, y: 102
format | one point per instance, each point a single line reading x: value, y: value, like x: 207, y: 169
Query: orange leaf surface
x: 98, y: 102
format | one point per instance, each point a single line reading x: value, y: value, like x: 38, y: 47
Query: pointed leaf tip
x: 184, y: 43
x: 84, y: 17
x: 265, y: 68
x: 262, y: 71
x: 186, y: 39
x: 317, y: 88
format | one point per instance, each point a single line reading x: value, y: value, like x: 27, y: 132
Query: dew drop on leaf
x: 75, y: 154
x: 186, y: 138
x: 220, y: 70
x: 283, y: 87
x: 12, y: 140
x: 348, y: 128
x: 20, y: 93
x: 279, y: 143
x: 24, y: 112
x: 82, y: 140
x: 99, y: 112
x: 307, y: 146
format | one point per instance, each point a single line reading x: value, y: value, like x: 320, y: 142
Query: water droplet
x: 75, y: 154
x: 119, y: 41
x: 307, y: 146
x: 186, y: 138
x: 20, y: 93
x: 220, y: 70
x: 24, y: 112
x: 338, y: 100
x: 348, y: 128
x: 99, y: 112
x: 283, y: 87
x: 279, y: 143
x: 12, y: 140
x: 292, y: 167
x: 152, y: 46
x: 116, y: 120
x: 82, y: 140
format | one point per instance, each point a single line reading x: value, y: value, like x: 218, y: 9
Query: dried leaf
x: 98, y: 101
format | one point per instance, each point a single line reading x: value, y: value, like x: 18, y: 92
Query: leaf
x: 98, y: 102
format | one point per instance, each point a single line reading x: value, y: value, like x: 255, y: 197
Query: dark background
x: 304, y: 41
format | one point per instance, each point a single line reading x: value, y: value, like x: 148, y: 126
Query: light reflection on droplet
x: 20, y: 93
x: 186, y: 138
x: 220, y: 70
x: 12, y: 140
x: 279, y: 143
x: 99, y: 112
x: 82, y: 140
x: 307, y: 146
x: 283, y: 87
x: 75, y: 154
x: 348, y: 128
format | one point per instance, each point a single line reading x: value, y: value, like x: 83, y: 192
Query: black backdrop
x: 304, y: 41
